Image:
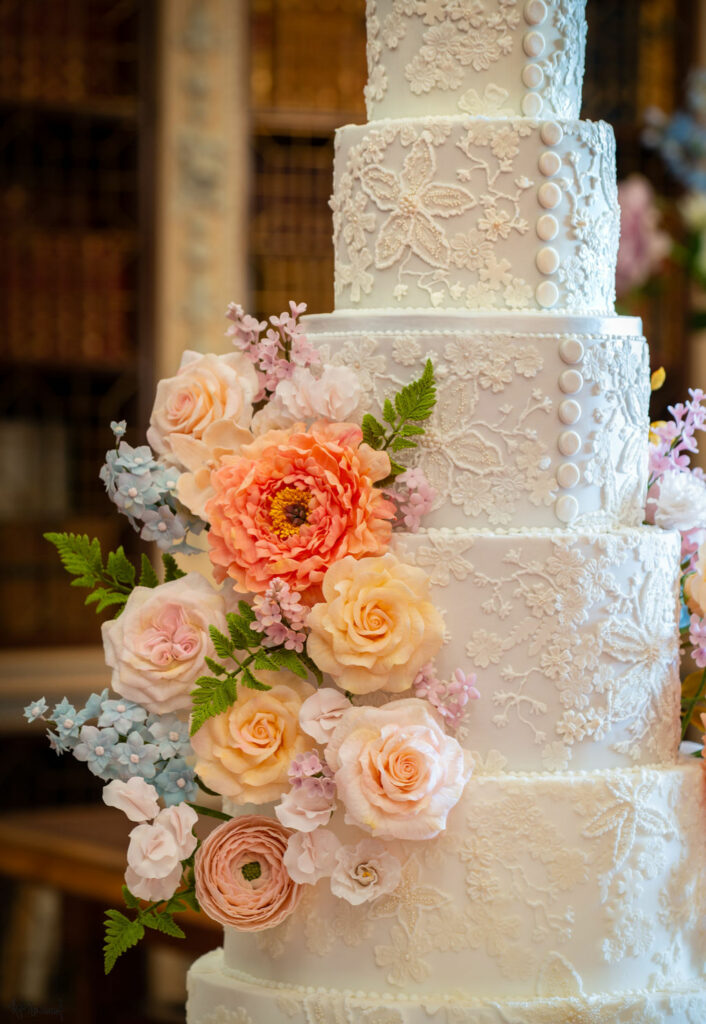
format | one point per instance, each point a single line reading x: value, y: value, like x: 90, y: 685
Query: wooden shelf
x: 109, y: 108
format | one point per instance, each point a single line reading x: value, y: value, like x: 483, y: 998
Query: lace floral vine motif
x: 491, y: 459
x: 413, y: 216
x: 457, y: 39
x: 597, y: 629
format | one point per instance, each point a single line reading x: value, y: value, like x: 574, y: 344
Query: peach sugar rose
x: 397, y: 772
x: 206, y: 389
x: 244, y: 754
x: 293, y: 502
x: 376, y: 626
x: 241, y: 880
x: 157, y: 648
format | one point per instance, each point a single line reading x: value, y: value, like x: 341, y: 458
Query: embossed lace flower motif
x: 413, y: 199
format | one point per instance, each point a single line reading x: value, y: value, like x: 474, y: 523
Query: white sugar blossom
x: 680, y: 503
x: 364, y: 872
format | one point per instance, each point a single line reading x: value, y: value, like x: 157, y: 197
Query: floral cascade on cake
x: 443, y: 491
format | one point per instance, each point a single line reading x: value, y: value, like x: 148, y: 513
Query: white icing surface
x: 450, y: 57
x: 444, y: 213
x: 497, y: 437
x: 600, y: 868
x: 572, y: 636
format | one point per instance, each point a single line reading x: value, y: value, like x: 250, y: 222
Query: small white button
x: 551, y: 133
x: 571, y: 382
x: 533, y: 44
x: 547, y: 294
x: 549, y: 195
x: 547, y: 260
x: 571, y: 350
x: 532, y: 76
x: 549, y: 163
x: 569, y: 442
x: 568, y: 475
x: 566, y: 508
x: 535, y: 12
x: 547, y: 227
x: 532, y: 104
x: 569, y: 411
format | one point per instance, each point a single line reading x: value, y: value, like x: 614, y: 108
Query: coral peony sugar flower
x: 293, y: 502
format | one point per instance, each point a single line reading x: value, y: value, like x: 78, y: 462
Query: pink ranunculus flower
x: 244, y: 754
x: 136, y: 798
x: 320, y: 714
x: 241, y: 879
x: 206, y: 389
x: 293, y: 502
x: 376, y: 625
x: 157, y: 648
x: 397, y: 772
x: 308, y: 805
x: 364, y: 872
x: 311, y: 855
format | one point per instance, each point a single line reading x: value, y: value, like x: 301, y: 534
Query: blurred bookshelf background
x: 109, y: 136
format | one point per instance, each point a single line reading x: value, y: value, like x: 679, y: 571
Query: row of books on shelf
x: 66, y: 51
x: 68, y: 298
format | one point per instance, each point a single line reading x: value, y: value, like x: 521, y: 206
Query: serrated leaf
x: 373, y: 432
x: 417, y: 399
x: 222, y: 645
x: 211, y: 697
x: 289, y: 660
x: 129, y: 900
x: 120, y: 935
x: 388, y: 412
x: 120, y: 568
x: 218, y: 670
x: 242, y: 636
x: 249, y: 680
x: 80, y: 556
x: 148, y: 577
x: 312, y: 667
x: 181, y: 900
x: 264, y: 662
x: 400, y: 443
x: 171, y: 569
x: 104, y: 598
x: 162, y: 921
x: 411, y: 430
x: 246, y: 611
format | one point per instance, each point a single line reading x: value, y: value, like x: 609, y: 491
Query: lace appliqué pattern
x: 447, y: 227
x: 490, y: 447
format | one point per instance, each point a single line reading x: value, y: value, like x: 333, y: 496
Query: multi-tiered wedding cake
x: 476, y: 224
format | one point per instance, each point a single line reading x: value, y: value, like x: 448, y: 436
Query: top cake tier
x: 497, y: 58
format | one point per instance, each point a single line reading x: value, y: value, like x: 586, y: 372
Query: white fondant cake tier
x: 220, y: 995
x: 474, y: 213
x: 494, y: 57
x: 597, y: 874
x: 540, y: 421
x: 573, y: 637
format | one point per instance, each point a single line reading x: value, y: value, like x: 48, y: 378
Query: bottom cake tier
x: 221, y: 995
x: 582, y: 885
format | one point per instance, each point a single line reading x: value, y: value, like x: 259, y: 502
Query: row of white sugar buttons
x: 569, y: 442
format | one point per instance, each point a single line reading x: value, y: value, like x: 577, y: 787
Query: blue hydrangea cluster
x: 143, y: 489
x: 124, y: 741
x: 681, y: 138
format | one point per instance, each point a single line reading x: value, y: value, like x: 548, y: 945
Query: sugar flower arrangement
x: 676, y: 500
x: 218, y: 683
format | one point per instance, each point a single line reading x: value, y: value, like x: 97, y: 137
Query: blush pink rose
x: 244, y: 754
x: 136, y: 798
x: 321, y: 713
x: 311, y: 855
x: 293, y: 502
x: 241, y: 879
x: 206, y: 389
x: 157, y: 648
x: 308, y: 805
x: 397, y: 772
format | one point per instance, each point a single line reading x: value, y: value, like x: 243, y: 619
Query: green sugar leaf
x: 120, y: 935
x: 222, y: 645
x: 120, y: 568
x: 171, y: 569
x: 80, y: 556
x: 148, y: 577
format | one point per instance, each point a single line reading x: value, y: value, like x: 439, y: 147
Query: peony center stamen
x: 289, y: 511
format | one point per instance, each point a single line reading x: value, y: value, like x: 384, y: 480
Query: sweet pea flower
x: 320, y: 714
x: 136, y: 798
x: 311, y: 855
